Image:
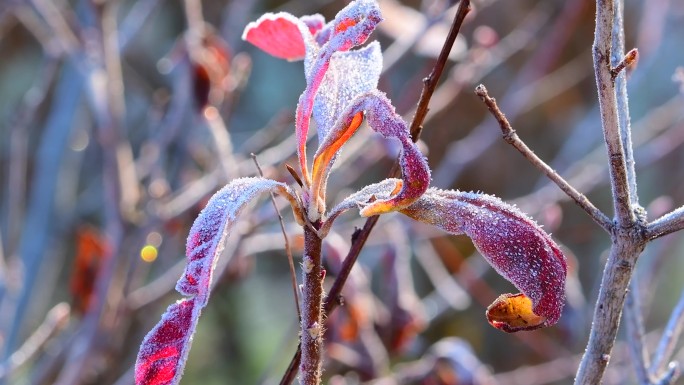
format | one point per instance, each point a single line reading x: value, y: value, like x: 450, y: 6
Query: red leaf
x: 163, y: 352
x: 91, y: 249
x: 513, y: 244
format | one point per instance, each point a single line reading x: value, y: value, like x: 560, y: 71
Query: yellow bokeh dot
x: 148, y: 253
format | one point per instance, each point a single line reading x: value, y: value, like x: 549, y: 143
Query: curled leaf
x: 212, y: 227
x: 513, y: 244
x: 382, y: 190
x: 382, y: 118
x: 164, y: 350
x: 349, y: 75
x: 162, y: 355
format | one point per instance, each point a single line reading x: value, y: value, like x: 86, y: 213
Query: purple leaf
x: 382, y: 190
x: 349, y: 75
x: 513, y: 244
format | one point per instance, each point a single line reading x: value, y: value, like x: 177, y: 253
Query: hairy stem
x: 311, y: 338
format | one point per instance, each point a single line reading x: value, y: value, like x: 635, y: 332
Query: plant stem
x: 602, y: 47
x: 628, y: 236
x: 311, y: 338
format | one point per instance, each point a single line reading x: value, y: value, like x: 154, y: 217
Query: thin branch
x: 55, y: 321
x: 603, y: 39
x: 360, y: 237
x: 667, y: 224
x: 288, y: 249
x: 510, y: 136
x: 635, y: 334
x: 430, y: 82
x: 668, y: 341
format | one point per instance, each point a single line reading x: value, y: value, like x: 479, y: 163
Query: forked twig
x: 510, y: 136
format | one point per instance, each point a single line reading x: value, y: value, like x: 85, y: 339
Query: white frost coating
x: 307, y: 264
x: 350, y: 74
x: 315, y: 331
x: 213, y: 225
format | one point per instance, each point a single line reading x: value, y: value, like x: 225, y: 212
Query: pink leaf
x: 513, y: 244
x: 165, y: 348
x: 282, y: 35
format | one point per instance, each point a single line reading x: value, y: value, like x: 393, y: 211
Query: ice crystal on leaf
x: 340, y: 94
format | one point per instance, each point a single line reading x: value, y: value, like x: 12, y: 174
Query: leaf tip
x: 513, y: 313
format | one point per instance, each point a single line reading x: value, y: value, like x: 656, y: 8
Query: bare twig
x: 635, y: 334
x: 288, y: 250
x: 602, y: 48
x: 512, y: 138
x: 667, y: 224
x: 668, y: 341
x: 55, y: 321
x: 628, y: 236
x: 430, y: 82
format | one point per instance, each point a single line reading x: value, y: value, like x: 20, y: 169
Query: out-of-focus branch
x: 635, y: 334
x: 668, y: 341
x: 667, y: 224
x: 512, y: 138
x: 55, y: 321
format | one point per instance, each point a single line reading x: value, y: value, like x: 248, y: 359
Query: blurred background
x: 119, y: 119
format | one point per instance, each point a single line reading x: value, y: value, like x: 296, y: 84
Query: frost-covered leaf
x: 213, y: 225
x: 164, y: 350
x: 283, y: 35
x: 513, y: 244
x: 382, y: 118
x: 382, y: 190
x: 350, y: 74
x: 351, y: 28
